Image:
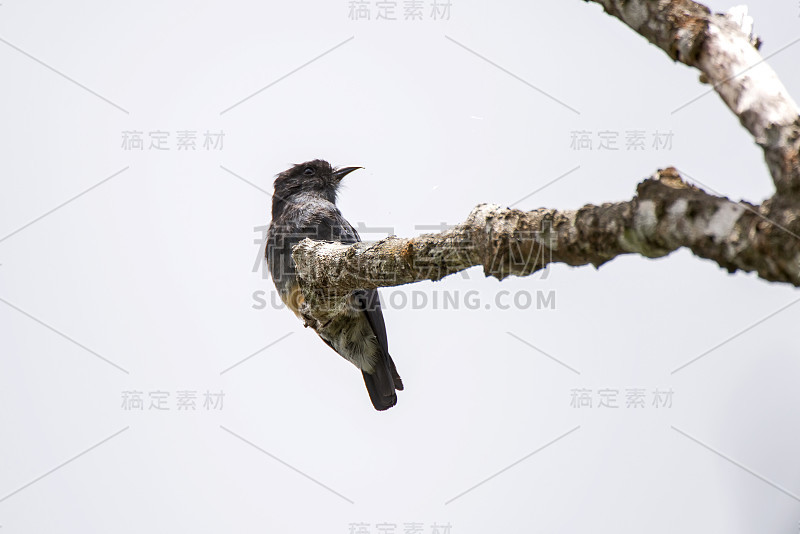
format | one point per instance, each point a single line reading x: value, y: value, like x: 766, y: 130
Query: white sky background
x: 152, y: 270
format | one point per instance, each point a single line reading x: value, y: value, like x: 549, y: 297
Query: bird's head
x: 313, y: 177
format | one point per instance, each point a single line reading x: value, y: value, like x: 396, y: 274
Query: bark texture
x: 724, y: 50
x: 665, y: 214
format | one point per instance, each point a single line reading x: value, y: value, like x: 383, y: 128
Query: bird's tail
x: 382, y: 383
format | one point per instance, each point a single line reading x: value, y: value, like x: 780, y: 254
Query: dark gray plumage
x: 304, y: 205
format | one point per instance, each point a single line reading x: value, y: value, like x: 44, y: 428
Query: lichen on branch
x: 665, y: 215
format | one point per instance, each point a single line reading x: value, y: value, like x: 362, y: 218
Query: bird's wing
x: 369, y: 300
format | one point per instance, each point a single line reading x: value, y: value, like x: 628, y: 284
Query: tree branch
x: 727, y: 55
x: 665, y: 215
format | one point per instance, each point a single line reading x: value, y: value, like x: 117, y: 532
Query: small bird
x: 304, y: 206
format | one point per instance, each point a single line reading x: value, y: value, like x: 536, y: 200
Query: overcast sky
x: 140, y: 141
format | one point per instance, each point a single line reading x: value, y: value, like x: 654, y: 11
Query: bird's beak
x: 344, y: 171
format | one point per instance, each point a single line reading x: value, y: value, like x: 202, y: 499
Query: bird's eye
x: 309, y: 171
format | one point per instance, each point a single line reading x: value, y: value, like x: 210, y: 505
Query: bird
x: 304, y: 206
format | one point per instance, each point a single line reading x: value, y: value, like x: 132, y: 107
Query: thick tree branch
x: 727, y: 56
x: 666, y: 214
